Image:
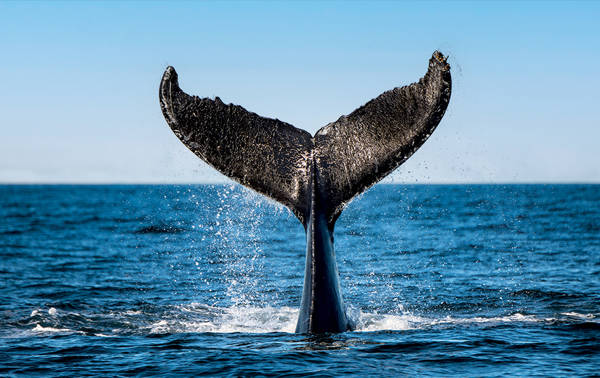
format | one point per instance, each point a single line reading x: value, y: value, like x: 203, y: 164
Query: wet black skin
x: 322, y: 308
x: 314, y: 176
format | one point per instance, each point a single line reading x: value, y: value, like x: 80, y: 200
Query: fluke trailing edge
x: 315, y: 177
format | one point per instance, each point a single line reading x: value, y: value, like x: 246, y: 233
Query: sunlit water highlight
x: 441, y: 280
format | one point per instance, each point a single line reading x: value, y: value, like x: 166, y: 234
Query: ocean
x: 442, y: 280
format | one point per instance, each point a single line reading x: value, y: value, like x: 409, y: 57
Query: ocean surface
x: 447, y: 280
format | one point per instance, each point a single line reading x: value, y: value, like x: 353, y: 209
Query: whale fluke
x: 315, y: 177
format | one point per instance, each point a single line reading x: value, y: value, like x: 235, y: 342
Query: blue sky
x: 80, y: 81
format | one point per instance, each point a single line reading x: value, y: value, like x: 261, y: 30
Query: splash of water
x: 202, y: 318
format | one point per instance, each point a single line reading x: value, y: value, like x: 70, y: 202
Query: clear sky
x: 79, y: 99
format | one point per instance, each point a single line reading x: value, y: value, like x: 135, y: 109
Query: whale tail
x: 277, y: 159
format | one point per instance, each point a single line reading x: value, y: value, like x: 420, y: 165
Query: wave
x: 202, y: 318
x: 159, y: 229
x: 535, y: 293
x: 41, y: 329
x: 12, y: 232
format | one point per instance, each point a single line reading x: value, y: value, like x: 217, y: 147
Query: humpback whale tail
x: 315, y: 177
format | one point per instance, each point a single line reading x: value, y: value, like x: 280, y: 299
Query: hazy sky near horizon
x: 79, y: 101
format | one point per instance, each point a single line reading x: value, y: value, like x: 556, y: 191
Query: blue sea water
x: 469, y: 280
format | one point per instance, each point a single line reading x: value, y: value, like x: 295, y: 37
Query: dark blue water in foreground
x: 442, y: 280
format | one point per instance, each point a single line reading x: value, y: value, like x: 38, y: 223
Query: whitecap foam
x: 197, y: 317
x: 369, y: 322
x: 246, y: 319
x: 578, y: 315
x: 41, y: 329
x: 203, y: 318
